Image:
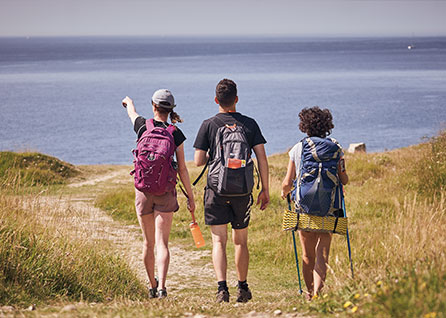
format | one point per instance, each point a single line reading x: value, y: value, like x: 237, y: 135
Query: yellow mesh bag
x: 313, y: 223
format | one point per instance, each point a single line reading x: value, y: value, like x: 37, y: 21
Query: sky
x: 222, y: 17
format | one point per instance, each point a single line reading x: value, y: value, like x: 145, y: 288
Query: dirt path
x: 73, y: 214
x: 188, y: 268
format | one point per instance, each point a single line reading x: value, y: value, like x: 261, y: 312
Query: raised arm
x: 263, y: 197
x: 127, y: 102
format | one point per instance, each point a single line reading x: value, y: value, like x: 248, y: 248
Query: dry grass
x: 397, y: 209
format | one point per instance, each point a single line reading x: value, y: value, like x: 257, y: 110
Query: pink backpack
x: 154, y: 172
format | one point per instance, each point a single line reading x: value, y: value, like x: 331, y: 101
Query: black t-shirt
x: 205, y: 139
x: 140, y: 128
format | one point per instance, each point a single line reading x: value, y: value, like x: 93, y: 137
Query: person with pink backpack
x: 155, y: 177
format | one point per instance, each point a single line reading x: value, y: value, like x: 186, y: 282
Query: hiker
x: 155, y: 206
x: 225, y: 143
x: 317, y: 124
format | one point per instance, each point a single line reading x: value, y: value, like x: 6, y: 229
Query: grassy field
x: 397, y: 209
x: 39, y: 261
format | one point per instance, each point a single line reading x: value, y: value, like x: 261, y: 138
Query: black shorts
x: 223, y: 210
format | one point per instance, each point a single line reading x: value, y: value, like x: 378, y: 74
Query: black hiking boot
x: 222, y: 296
x: 162, y: 293
x: 243, y: 295
x: 153, y: 292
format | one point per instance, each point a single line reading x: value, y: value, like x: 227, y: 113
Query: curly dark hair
x: 316, y: 122
x: 226, y: 92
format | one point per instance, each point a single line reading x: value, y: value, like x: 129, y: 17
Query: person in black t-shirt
x: 221, y: 210
x: 155, y: 212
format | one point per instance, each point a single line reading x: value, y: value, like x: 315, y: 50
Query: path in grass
x: 188, y: 268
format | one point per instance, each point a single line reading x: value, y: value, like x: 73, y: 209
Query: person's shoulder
x: 139, y: 122
x: 296, y: 147
x: 211, y: 121
x: 333, y: 140
x: 249, y: 122
x: 140, y: 119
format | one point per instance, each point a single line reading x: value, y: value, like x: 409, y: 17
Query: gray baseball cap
x: 164, y: 98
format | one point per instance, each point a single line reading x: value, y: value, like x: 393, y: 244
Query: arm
x: 287, y: 183
x: 200, y: 157
x: 184, y: 177
x: 127, y: 102
x: 263, y: 197
x: 341, y: 172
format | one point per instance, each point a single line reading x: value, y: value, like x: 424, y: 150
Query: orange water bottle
x: 196, y: 234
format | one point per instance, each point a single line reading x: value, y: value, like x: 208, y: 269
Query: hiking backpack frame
x: 329, y: 212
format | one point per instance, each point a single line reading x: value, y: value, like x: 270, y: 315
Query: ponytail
x: 174, y: 117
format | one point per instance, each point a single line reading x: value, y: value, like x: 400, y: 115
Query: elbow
x: 197, y: 162
x: 200, y: 160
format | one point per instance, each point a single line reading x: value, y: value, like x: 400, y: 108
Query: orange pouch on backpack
x: 236, y: 163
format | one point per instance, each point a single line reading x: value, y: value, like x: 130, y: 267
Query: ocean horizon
x: 62, y: 95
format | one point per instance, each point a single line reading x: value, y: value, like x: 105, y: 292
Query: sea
x: 62, y: 95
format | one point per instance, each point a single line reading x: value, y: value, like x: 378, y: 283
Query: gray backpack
x: 231, y: 171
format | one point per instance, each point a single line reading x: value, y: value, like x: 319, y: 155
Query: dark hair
x: 226, y: 92
x: 316, y: 122
x: 174, y: 117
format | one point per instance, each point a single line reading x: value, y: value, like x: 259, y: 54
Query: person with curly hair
x: 317, y: 124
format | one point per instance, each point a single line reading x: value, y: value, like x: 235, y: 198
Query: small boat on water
x: 411, y: 47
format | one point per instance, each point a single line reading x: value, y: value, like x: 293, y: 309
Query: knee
x: 308, y: 258
x: 148, y: 245
x: 241, y: 243
x: 219, y: 242
x: 321, y: 264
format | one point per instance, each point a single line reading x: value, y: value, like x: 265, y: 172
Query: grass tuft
x: 33, y: 169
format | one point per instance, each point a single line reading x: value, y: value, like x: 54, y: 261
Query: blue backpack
x: 317, y: 190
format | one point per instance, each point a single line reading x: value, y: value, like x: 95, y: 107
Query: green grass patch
x: 119, y: 203
x: 396, y: 202
x: 33, y: 169
x: 431, y: 168
x: 38, y: 265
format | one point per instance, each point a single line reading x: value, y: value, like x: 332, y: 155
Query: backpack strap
x: 211, y: 151
x: 313, y: 149
x: 299, y: 172
x: 149, y: 124
x: 335, y: 225
x: 336, y: 154
x: 202, y: 172
x: 171, y: 129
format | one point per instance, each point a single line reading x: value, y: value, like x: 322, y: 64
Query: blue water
x: 62, y: 96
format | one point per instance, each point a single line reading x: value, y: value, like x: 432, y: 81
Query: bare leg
x: 163, y: 224
x: 308, y: 241
x: 147, y: 224
x: 219, y: 239
x: 240, y: 239
x: 320, y: 268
